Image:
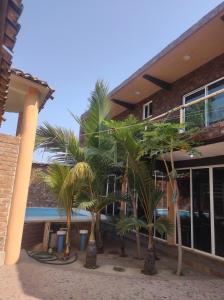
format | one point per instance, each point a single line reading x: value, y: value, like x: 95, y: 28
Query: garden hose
x: 50, y: 259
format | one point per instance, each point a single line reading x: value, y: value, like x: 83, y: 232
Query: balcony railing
x: 202, y: 112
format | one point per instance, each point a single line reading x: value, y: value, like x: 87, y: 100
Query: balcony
x: 203, y: 109
x: 205, y: 106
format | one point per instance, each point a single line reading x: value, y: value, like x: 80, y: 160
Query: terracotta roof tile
x: 34, y: 79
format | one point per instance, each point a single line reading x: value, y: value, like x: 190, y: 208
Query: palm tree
x: 126, y: 129
x: 99, y: 147
x: 160, y: 141
x: 88, y: 198
x: 59, y: 180
x: 127, y: 136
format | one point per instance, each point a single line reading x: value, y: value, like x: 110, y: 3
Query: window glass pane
x: 150, y: 108
x: 183, y: 182
x: 146, y: 107
x: 216, y: 104
x: 201, y: 209
x: 218, y: 186
x: 195, y: 114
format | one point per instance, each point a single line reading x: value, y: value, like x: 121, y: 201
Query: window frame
x: 205, y: 87
x: 148, y: 104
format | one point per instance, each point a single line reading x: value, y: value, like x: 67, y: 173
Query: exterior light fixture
x: 186, y: 57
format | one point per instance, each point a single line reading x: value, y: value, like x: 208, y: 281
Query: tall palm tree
x: 99, y: 147
x: 126, y: 130
x: 97, y: 151
x: 127, y: 135
x: 161, y: 139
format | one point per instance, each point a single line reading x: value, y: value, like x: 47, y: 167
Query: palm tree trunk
x: 179, y: 233
x: 122, y: 215
x: 150, y: 260
x: 138, y: 243
x: 99, y: 241
x: 91, y: 252
x: 68, y: 235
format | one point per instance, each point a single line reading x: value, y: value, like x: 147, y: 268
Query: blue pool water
x: 49, y: 212
x: 164, y: 212
x: 55, y: 214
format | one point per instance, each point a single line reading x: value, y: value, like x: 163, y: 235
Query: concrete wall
x: 9, y: 149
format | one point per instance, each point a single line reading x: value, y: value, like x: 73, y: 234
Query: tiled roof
x: 34, y: 79
x: 10, y: 11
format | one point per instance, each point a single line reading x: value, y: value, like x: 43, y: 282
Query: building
x: 190, y: 68
x: 25, y: 95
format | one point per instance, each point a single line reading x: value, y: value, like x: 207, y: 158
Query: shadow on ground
x: 32, y: 280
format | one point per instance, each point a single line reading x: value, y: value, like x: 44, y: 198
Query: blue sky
x: 73, y: 43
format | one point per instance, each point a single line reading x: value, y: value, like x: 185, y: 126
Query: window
x: 206, y: 112
x: 147, y: 110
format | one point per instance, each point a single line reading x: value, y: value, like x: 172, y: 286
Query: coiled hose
x: 50, y: 259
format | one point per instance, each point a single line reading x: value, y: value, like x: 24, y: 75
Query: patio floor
x: 32, y: 280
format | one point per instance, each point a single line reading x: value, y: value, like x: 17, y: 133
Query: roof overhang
x: 19, y: 85
x: 194, y: 48
x: 10, y: 12
x: 205, y: 151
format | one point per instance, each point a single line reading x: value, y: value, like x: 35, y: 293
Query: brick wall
x: 165, y: 100
x: 39, y: 194
x: 9, y: 149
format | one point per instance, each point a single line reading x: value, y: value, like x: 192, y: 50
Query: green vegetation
x: 125, y: 148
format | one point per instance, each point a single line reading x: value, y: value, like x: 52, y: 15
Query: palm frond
x: 56, y: 179
x: 60, y: 142
x: 128, y: 224
x: 110, y: 199
x: 164, y: 225
x: 99, y: 109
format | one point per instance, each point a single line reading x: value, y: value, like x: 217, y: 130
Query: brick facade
x: 166, y: 100
x: 39, y: 193
x: 9, y: 149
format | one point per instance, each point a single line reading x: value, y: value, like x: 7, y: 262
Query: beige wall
x: 9, y: 148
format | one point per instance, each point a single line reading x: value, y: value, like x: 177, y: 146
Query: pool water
x: 45, y: 214
x: 51, y: 212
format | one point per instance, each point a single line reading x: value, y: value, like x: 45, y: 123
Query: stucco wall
x: 9, y: 149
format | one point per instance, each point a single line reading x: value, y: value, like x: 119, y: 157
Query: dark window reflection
x: 201, y: 210
x: 183, y: 182
x: 218, y: 186
x: 216, y: 104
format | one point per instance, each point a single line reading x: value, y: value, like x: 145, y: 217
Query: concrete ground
x: 31, y: 280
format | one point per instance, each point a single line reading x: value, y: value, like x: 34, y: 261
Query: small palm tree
x: 149, y: 198
x: 88, y: 198
x: 59, y: 179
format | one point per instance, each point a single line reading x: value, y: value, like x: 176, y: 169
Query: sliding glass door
x: 201, y: 209
x: 183, y: 182
x: 218, y: 188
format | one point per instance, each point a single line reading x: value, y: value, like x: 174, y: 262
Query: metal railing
x: 201, y: 112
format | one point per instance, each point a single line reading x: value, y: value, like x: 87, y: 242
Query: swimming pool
x: 37, y: 214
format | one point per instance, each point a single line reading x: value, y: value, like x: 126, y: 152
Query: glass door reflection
x: 201, y: 209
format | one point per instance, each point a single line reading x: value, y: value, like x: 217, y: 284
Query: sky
x: 72, y: 43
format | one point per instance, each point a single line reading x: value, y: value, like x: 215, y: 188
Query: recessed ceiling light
x: 137, y: 93
x: 186, y: 57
